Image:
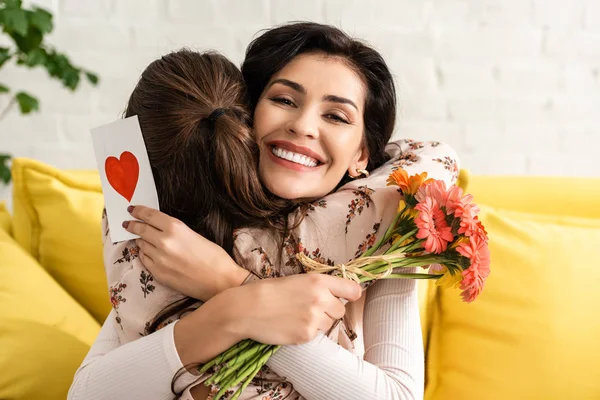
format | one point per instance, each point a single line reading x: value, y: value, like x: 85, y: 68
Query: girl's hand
x: 291, y: 309
x: 181, y: 259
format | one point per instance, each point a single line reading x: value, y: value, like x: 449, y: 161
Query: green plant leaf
x: 12, y: 3
x: 15, y: 20
x: 27, y: 103
x: 42, y: 19
x: 34, y: 57
x: 4, y: 89
x: 93, y: 78
x: 5, y: 168
x: 4, y: 55
x: 27, y: 43
x: 70, y: 78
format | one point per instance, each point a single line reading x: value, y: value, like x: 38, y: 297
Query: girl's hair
x: 274, y: 49
x: 204, y: 167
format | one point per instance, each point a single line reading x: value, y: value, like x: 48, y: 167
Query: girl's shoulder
x: 408, y: 152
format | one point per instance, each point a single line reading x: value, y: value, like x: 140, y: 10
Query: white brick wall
x: 513, y: 85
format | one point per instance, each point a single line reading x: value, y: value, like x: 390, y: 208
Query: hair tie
x: 216, y: 114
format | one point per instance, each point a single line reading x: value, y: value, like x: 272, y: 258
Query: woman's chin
x: 289, y: 192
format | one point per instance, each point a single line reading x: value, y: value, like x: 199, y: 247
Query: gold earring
x: 360, y: 172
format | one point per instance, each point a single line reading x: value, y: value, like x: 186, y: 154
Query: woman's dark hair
x: 274, y: 49
x: 193, y: 112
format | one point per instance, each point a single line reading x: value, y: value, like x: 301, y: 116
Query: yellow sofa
x: 534, y: 333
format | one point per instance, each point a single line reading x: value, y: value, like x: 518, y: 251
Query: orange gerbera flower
x: 409, y: 185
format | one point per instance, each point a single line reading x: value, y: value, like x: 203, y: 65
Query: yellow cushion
x: 37, y: 361
x: 28, y: 292
x: 533, y: 333
x: 576, y: 197
x: 57, y: 218
x: 5, y: 219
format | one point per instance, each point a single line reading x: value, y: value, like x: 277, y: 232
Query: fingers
x: 336, y: 309
x: 344, y: 288
x: 151, y: 216
x: 146, y: 260
x: 147, y: 232
x: 146, y: 248
x: 326, y: 324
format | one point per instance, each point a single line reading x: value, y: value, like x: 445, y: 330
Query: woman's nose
x: 303, y: 124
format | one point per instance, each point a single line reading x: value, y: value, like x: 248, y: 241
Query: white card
x: 125, y: 172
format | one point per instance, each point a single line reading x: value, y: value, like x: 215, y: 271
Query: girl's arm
x: 393, y: 364
x: 141, y: 369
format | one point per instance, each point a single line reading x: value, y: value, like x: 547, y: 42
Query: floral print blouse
x: 335, y: 229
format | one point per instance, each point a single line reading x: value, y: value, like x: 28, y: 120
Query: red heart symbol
x: 123, y: 173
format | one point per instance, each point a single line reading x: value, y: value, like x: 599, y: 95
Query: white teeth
x: 294, y: 157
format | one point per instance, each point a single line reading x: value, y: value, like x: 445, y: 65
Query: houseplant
x: 27, y: 27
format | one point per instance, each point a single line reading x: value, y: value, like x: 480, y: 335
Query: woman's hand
x: 181, y: 259
x: 291, y: 309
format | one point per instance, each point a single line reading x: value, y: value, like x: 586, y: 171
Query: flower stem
x: 384, y: 238
x: 234, y: 350
x: 401, y: 240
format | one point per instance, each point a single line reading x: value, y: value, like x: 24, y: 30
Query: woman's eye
x: 282, y: 100
x: 337, y: 118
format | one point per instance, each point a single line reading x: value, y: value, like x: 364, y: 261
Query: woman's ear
x: 360, y: 162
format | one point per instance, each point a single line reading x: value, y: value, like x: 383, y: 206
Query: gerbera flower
x: 432, y: 226
x: 408, y: 184
x: 474, y: 277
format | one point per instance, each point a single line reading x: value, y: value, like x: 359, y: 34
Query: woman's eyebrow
x: 291, y: 84
x: 301, y: 89
x: 337, y: 99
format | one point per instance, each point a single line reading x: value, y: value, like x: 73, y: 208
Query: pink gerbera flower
x: 435, y: 189
x: 474, y: 277
x: 458, y: 205
x: 468, y: 219
x: 432, y: 226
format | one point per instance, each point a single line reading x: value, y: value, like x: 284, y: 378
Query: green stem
x: 239, y: 362
x: 251, y: 370
x: 236, y: 372
x: 400, y: 241
x: 246, y: 383
x: 384, y: 238
x: 225, y: 355
x: 404, y: 276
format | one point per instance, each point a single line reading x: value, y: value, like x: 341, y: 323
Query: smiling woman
x: 309, y: 126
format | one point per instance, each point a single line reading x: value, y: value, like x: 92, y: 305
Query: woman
x: 295, y: 114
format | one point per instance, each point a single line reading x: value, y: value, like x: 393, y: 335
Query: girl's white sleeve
x: 142, y: 369
x: 393, y: 364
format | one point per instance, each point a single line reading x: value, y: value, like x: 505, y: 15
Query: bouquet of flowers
x: 435, y: 228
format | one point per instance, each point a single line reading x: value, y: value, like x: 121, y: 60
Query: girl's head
x: 204, y: 168
x: 324, y: 107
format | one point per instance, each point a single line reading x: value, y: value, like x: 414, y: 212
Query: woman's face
x: 309, y: 127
